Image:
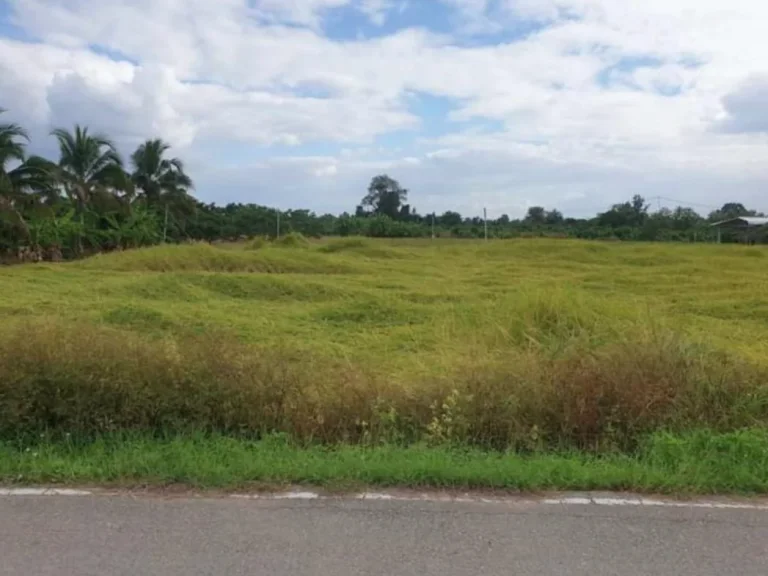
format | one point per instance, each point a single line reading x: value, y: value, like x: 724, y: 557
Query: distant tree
x: 385, y: 196
x: 23, y: 181
x: 536, y: 215
x: 639, y: 207
x: 450, y: 219
x: 685, y: 218
x: 158, y: 178
x: 730, y: 210
x: 554, y: 217
x: 627, y: 214
x: 163, y: 184
x: 89, y: 166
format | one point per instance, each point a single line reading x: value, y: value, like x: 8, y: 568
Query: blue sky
x: 504, y: 104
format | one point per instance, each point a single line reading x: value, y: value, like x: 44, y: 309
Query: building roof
x: 747, y: 221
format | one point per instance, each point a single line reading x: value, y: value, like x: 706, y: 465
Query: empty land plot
x: 528, y: 345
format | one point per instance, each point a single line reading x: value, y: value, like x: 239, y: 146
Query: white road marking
x: 570, y: 500
x: 43, y: 492
x: 280, y: 496
x: 650, y: 502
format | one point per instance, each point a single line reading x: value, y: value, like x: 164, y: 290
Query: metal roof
x: 748, y: 220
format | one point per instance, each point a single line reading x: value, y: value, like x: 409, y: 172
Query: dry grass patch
x: 90, y: 380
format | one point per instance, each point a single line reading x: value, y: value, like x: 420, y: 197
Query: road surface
x: 130, y: 535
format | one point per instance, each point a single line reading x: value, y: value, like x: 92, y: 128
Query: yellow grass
x: 501, y: 342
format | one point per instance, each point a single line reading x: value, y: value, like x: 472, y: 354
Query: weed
x: 292, y: 240
x: 702, y: 462
x: 525, y: 345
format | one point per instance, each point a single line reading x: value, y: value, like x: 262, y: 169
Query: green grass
x: 539, y: 346
x: 698, y: 463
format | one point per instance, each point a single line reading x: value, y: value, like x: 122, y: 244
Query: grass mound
x: 257, y: 243
x: 267, y: 288
x: 362, y: 246
x: 292, y: 240
x: 202, y: 257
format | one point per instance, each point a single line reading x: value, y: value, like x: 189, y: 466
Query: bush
x: 292, y: 240
x: 88, y: 380
x: 257, y: 243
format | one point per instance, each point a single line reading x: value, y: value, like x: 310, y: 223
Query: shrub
x: 292, y: 240
x: 257, y: 243
x: 88, y: 380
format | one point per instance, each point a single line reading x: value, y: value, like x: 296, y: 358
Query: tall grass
x: 92, y: 380
x: 524, y: 345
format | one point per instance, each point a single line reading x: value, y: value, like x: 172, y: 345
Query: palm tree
x: 157, y: 176
x: 27, y: 180
x: 162, y: 181
x: 12, y: 145
x: 89, y: 166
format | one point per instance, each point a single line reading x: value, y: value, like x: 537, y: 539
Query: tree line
x: 90, y: 200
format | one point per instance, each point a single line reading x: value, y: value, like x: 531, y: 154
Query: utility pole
x: 433, y: 225
x: 278, y: 223
x: 165, y: 225
x: 485, y: 222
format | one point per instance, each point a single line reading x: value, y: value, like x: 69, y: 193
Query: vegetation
x: 698, y: 463
x: 592, y: 362
x: 89, y: 200
x: 526, y: 345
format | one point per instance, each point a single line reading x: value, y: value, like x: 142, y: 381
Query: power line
x: 683, y: 203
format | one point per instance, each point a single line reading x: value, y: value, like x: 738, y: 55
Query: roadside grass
x: 539, y: 347
x: 696, y: 463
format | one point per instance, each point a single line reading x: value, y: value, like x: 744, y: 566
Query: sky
x: 503, y: 104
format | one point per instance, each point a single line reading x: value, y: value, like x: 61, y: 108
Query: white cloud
x: 747, y: 107
x: 377, y: 10
x: 597, y: 90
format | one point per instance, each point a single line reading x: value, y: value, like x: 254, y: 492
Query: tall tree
x: 633, y: 213
x: 163, y: 183
x: 730, y: 210
x: 22, y: 179
x: 89, y: 166
x: 536, y: 215
x: 156, y: 176
x: 554, y: 217
x: 385, y: 196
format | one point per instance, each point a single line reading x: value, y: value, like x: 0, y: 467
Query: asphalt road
x: 150, y: 535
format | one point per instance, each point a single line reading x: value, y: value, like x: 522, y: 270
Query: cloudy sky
x: 570, y: 104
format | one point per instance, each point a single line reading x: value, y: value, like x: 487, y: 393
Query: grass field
x: 528, y: 345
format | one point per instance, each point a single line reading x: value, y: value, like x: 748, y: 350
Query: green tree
x: 686, y: 218
x: 89, y: 167
x: 554, y: 217
x: 450, y: 219
x: 12, y: 152
x: 536, y: 215
x: 385, y: 196
x: 627, y: 214
x: 23, y: 181
x: 730, y: 210
x: 164, y: 184
x: 157, y: 177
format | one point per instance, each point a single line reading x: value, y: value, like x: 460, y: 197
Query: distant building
x: 747, y: 229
